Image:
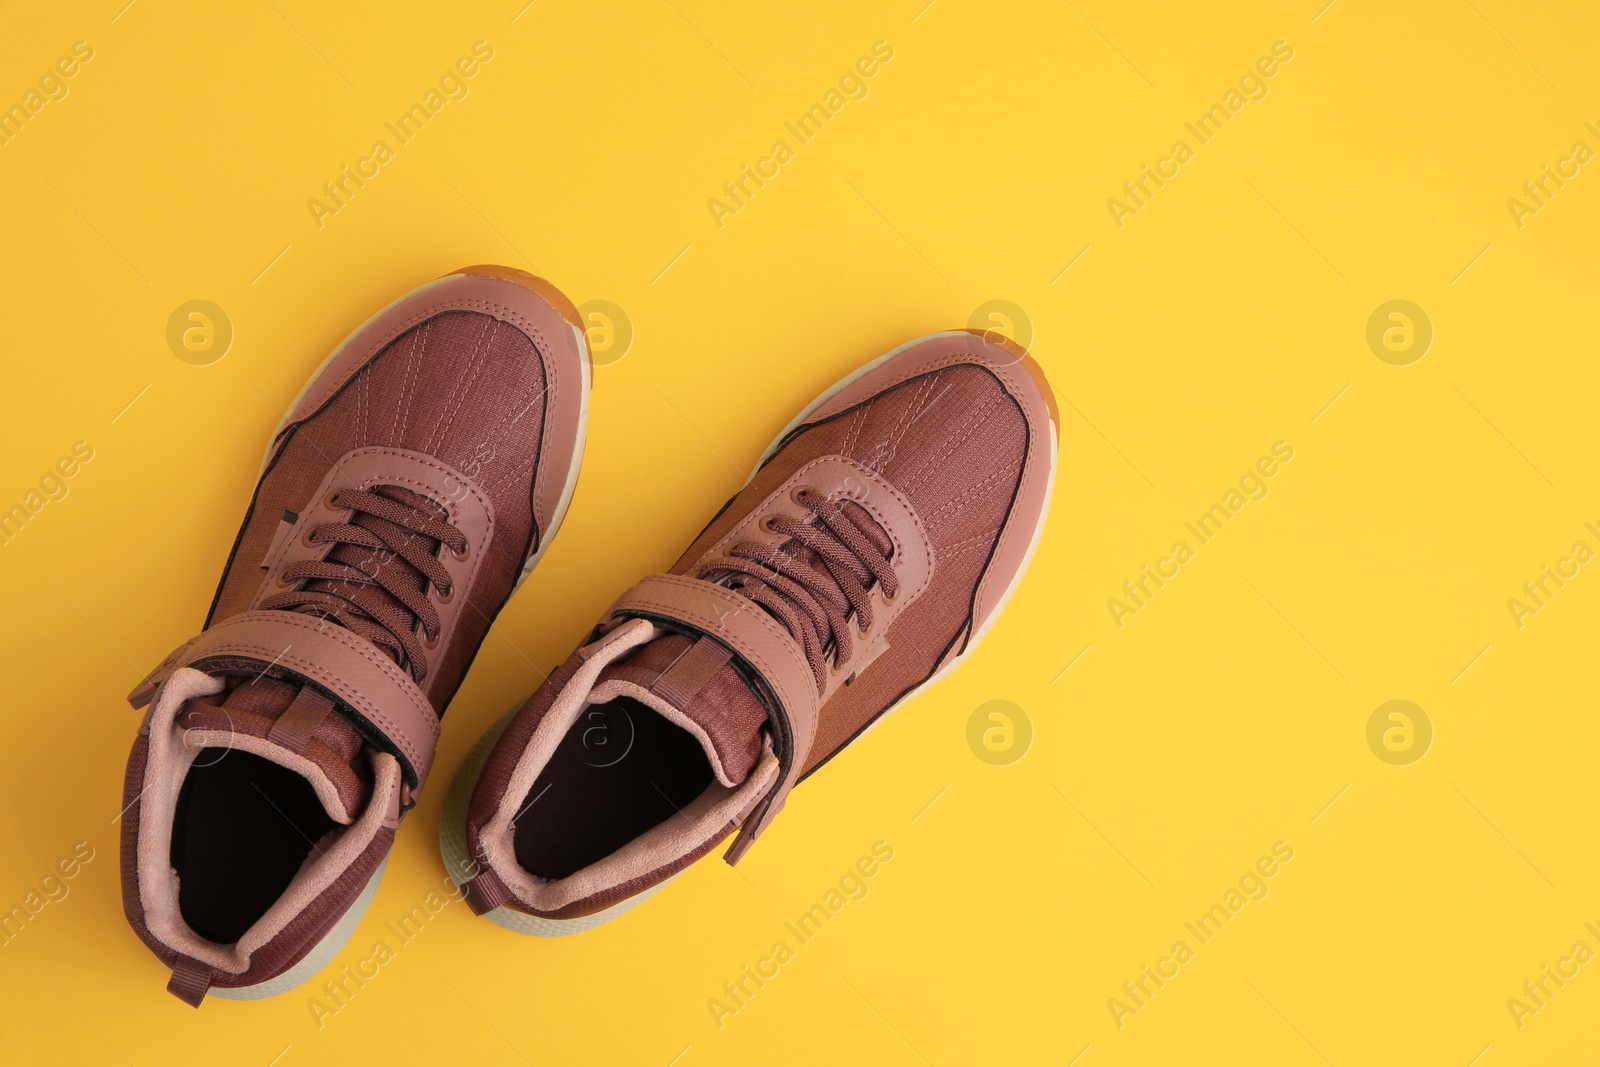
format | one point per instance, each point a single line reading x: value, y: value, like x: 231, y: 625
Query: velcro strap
x: 765, y: 647
x: 378, y: 694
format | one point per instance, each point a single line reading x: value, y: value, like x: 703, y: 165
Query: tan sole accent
x: 532, y: 282
x: 1029, y: 364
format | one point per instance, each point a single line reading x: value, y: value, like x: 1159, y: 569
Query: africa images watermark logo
x: 199, y: 332
x: 737, y: 192
x: 1138, y: 592
x: 51, y: 87
x: 1252, y: 85
x: 53, y: 888
x: 1538, y: 591
x: 338, y: 191
x: 852, y: 886
x: 51, y: 487
x: 1537, y: 993
x: 352, y: 976
x: 1537, y: 192
x: 1138, y: 992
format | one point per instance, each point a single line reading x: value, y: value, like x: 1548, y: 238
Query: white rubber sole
x: 461, y: 868
x: 340, y: 935
x: 452, y: 824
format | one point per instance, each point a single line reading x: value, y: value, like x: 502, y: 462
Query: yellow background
x: 1223, y: 317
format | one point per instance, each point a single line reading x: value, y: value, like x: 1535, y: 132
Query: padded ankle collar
x: 769, y: 655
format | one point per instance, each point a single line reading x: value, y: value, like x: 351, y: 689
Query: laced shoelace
x: 814, y: 603
x: 381, y: 596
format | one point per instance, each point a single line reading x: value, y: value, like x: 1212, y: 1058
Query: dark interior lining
x: 620, y: 770
x: 242, y: 829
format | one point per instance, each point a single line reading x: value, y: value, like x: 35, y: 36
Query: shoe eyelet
x: 445, y: 597
x: 331, y: 501
x: 800, y: 494
x: 308, y: 538
x: 461, y: 557
x: 430, y: 643
x: 769, y: 523
x: 889, y: 599
x: 284, y: 580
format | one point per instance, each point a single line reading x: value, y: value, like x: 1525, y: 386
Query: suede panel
x: 502, y: 761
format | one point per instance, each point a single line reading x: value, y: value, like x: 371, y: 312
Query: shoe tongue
x: 293, y: 726
x: 693, y: 679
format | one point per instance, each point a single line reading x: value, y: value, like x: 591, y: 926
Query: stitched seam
x: 924, y: 387
x: 408, y: 393
x: 1010, y: 377
x: 764, y: 622
x: 960, y: 502
x: 390, y: 727
x: 462, y: 391
x: 718, y: 624
x: 966, y: 543
x: 1028, y: 477
x: 976, y: 420
x: 966, y: 547
x: 883, y: 517
x: 364, y: 649
x: 543, y: 389
x: 1007, y: 376
x: 552, y: 398
x: 899, y: 548
x: 489, y: 307
x: 760, y: 662
x: 855, y: 429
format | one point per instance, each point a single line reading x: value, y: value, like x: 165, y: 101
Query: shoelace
x: 815, y: 604
x: 380, y: 597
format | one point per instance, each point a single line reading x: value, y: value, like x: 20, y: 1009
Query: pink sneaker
x: 880, y: 536
x: 417, y: 480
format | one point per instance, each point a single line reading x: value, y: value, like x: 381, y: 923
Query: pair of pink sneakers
x: 414, y: 484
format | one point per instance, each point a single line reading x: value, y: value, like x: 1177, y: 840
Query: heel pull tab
x: 486, y: 892
x: 191, y: 979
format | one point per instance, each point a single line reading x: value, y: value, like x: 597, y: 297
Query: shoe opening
x: 620, y: 770
x: 243, y: 828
